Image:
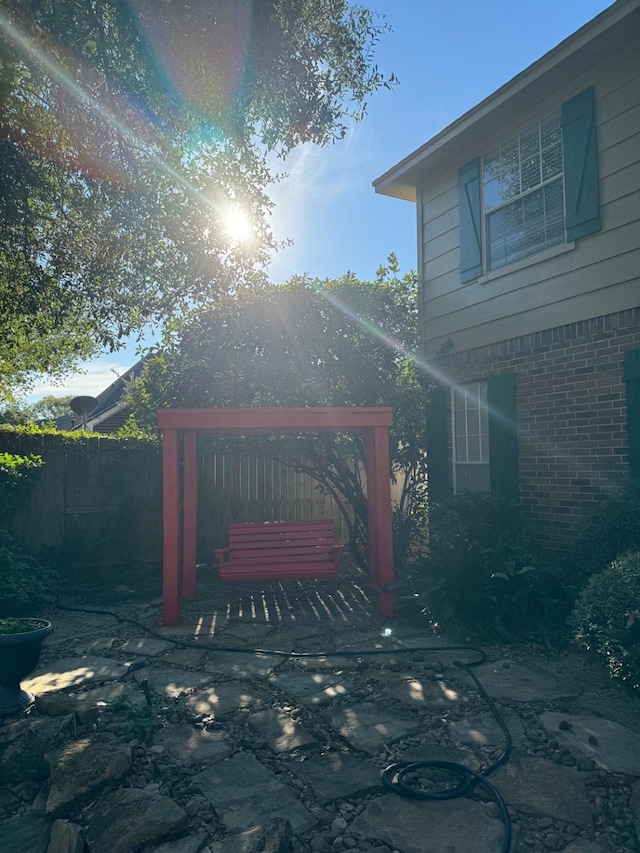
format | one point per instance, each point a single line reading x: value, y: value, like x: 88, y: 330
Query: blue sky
x: 447, y: 56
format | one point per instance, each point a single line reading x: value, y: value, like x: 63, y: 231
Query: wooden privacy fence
x: 98, y: 501
x: 247, y: 486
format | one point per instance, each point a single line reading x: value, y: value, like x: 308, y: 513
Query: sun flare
x: 237, y: 225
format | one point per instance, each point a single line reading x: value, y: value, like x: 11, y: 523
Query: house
x: 109, y: 411
x: 528, y: 212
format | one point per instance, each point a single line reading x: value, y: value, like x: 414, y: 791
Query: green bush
x: 482, y: 577
x: 614, y: 527
x: 17, y: 473
x: 25, y: 584
x: 606, y: 618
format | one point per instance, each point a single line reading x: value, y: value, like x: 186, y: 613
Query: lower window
x: 470, y: 420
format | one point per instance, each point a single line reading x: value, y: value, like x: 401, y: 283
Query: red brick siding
x: 113, y: 423
x: 572, y: 422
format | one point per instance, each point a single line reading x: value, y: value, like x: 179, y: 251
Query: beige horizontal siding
x: 600, y: 274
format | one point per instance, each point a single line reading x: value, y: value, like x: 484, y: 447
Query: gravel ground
x: 611, y: 795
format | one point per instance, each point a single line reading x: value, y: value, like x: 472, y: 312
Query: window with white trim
x: 535, y: 191
x: 523, y: 194
x: 470, y: 421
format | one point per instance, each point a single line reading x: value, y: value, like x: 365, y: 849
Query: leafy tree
x: 46, y: 409
x: 127, y: 130
x: 309, y: 343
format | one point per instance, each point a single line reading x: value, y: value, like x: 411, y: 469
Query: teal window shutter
x: 470, y: 221
x: 503, y: 436
x: 437, y: 444
x: 632, y: 382
x: 582, y: 195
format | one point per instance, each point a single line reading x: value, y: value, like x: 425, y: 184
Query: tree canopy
x: 128, y: 130
x: 342, y: 342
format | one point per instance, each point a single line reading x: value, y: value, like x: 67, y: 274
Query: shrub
x: 606, y: 618
x: 614, y: 527
x: 25, y: 584
x: 482, y: 576
x: 17, y: 473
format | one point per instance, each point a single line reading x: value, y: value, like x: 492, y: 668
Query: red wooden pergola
x: 177, y: 527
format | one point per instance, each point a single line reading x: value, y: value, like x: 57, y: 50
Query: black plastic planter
x: 19, y: 655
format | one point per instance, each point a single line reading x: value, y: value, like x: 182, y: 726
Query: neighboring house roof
x: 109, y: 412
x: 603, y: 37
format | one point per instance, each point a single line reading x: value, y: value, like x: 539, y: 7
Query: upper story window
x: 538, y: 189
x: 523, y: 195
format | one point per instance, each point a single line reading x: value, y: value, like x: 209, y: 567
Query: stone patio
x: 138, y: 743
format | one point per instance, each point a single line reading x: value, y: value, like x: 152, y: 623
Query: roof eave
x: 612, y: 30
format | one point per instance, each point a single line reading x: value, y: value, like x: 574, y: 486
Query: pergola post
x: 380, y: 529
x: 189, y: 515
x: 170, y: 532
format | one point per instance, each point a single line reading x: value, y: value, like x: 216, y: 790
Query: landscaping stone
x: 544, y: 788
x: 609, y: 745
x: 66, y: 837
x: 74, y: 672
x: 420, y: 692
x: 172, y: 682
x: 88, y: 646
x: 87, y: 706
x: 192, y: 843
x: 224, y: 698
x: 435, y: 752
x: 524, y: 682
x: 81, y: 769
x: 245, y: 794
x: 369, y: 726
x: 245, y: 634
x: 312, y: 689
x: 191, y: 746
x: 113, y: 693
x: 25, y: 834
x: 240, y: 665
x: 183, y: 657
x: 146, y: 646
x: 450, y: 826
x: 482, y: 729
x: 337, y: 775
x: 130, y: 818
x: 635, y: 805
x: 23, y: 745
x: 583, y: 845
x: 281, y: 733
x: 272, y: 837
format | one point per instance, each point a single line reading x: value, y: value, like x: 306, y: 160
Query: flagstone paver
x: 244, y: 793
x: 369, y: 726
x: 225, y: 698
x: 183, y: 657
x: 524, y: 682
x: 281, y: 733
x: 611, y: 746
x: 336, y: 775
x: 312, y: 689
x: 239, y: 664
x: 172, y: 682
x: 191, y: 745
x: 146, y: 646
x: 420, y: 692
x: 450, y: 826
x: 29, y: 833
x: 64, y: 673
x: 545, y: 788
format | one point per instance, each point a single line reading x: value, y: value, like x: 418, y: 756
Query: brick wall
x: 572, y: 422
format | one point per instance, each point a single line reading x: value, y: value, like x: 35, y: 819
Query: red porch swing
x: 189, y: 423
